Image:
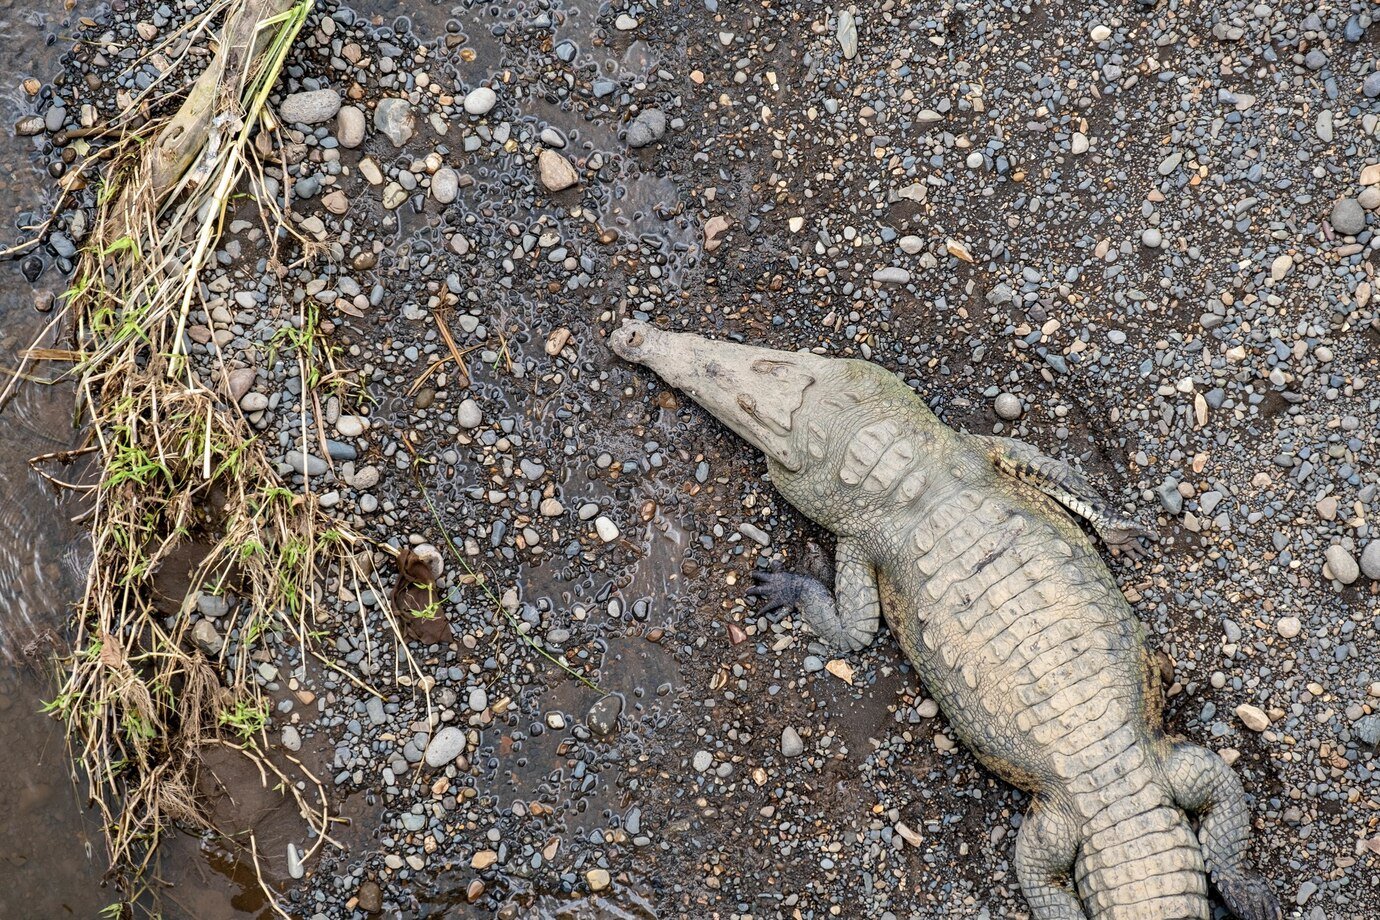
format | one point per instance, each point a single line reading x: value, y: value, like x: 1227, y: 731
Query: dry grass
x: 179, y: 466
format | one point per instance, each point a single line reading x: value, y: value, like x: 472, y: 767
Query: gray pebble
x: 1348, y: 217
x: 1370, y: 560
x: 445, y: 746
x: 395, y: 119
x: 1342, y: 564
x: 310, y: 108
x: 647, y: 128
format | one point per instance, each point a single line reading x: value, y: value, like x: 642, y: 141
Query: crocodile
x: 964, y: 544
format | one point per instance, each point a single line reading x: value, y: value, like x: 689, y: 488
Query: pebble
x: 625, y: 23
x: 647, y: 128
x: 1252, y: 717
x: 1151, y: 237
x: 394, y: 117
x: 1342, y: 564
x: 791, y: 745
x: 207, y: 638
x: 607, y: 530
x: 445, y: 185
x: 602, y: 717
x: 310, y: 108
x: 468, y: 414
x: 891, y: 275
x: 30, y: 126
x: 597, y: 878
x: 1288, y: 627
x: 296, y: 869
x: 369, y: 897
x: 480, y: 100
x: 350, y: 126
x: 555, y: 171
x: 1348, y: 217
x: 1368, y: 730
x: 1008, y: 406
x: 446, y: 745
x: 305, y: 463
x: 1370, y: 560
x: 847, y: 34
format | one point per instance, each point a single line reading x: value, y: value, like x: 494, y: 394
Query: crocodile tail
x: 1139, y: 858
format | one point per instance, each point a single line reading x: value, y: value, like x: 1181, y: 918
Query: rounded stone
x: 1008, y: 406
x: 1288, y: 627
x: 555, y: 171
x: 1152, y: 237
x: 1348, y: 217
x: 349, y: 126
x: 310, y: 108
x: 469, y: 414
x: 1342, y: 564
x: 480, y: 100
x: 1370, y: 560
x: 445, y: 746
x: 445, y: 185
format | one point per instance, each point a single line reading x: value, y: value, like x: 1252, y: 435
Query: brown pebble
x: 370, y: 897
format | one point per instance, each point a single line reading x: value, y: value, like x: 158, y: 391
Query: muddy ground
x: 1127, y: 219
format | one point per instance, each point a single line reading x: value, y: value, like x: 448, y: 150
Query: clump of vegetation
x: 179, y: 471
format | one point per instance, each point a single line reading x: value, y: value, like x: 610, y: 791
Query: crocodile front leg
x: 1070, y: 488
x: 1046, y: 846
x: 1203, y: 785
x: 846, y: 621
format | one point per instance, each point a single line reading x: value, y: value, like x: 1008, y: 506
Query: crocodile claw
x: 1248, y: 896
x: 775, y: 592
x: 1127, y: 539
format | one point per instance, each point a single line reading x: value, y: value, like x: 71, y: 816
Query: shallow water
x: 51, y: 854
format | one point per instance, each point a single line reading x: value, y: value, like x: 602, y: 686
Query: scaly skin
x: 1010, y: 617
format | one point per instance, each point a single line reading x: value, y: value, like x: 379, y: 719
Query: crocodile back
x: 1019, y: 632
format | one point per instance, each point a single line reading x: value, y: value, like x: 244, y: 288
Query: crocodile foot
x: 1127, y: 538
x: 778, y: 592
x: 1248, y: 895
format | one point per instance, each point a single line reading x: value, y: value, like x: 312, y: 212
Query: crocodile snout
x: 629, y: 341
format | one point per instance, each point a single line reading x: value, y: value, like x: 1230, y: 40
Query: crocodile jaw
x: 757, y: 392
